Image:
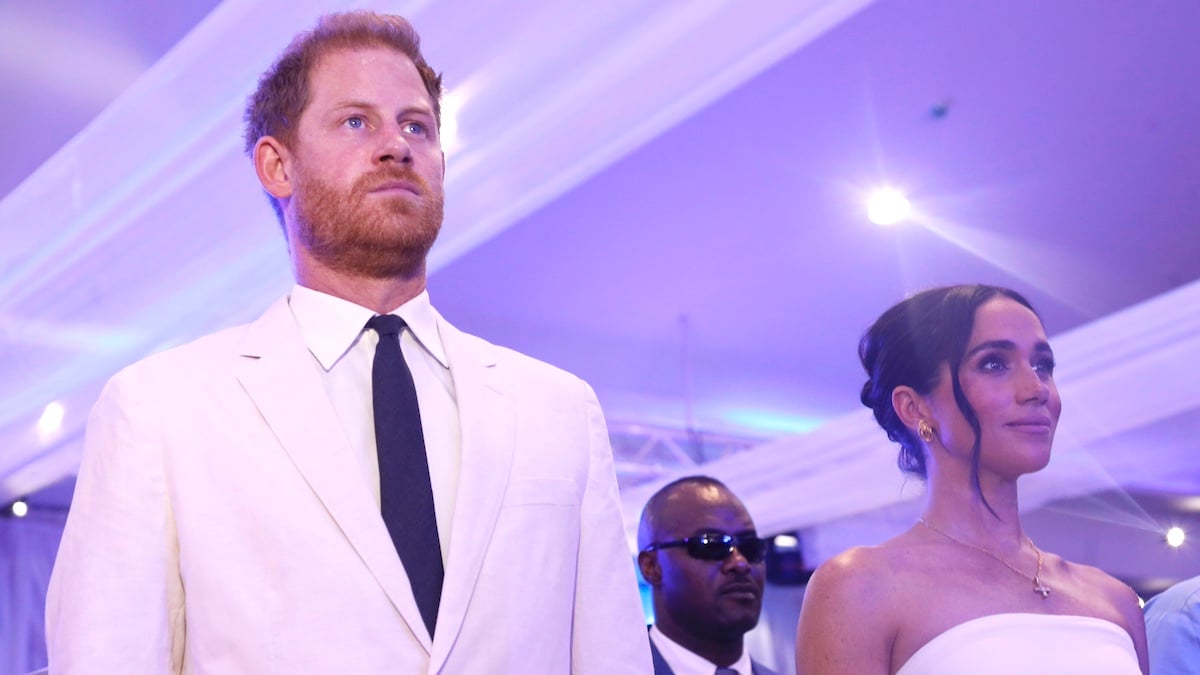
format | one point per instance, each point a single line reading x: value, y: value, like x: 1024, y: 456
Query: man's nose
x: 735, y: 561
x: 394, y: 147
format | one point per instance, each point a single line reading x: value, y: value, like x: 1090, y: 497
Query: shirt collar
x: 330, y: 326
x: 683, y: 660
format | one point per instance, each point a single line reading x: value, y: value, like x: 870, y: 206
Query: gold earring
x: 925, y: 431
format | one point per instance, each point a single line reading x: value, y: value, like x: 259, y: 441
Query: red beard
x: 363, y: 235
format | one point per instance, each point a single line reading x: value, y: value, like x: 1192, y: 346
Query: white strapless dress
x: 1030, y: 644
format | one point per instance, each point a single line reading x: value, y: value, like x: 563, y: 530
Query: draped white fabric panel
x: 148, y: 228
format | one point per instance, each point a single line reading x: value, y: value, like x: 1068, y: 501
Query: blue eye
x: 355, y: 122
x: 414, y: 128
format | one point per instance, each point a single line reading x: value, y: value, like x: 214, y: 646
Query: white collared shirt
x: 335, y: 332
x: 686, y: 662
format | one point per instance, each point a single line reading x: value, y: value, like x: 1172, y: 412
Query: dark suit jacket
x: 661, y: 667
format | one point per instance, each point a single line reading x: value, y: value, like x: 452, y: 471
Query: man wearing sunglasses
x: 703, y: 559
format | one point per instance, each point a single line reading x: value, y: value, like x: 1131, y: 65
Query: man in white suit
x: 227, y: 513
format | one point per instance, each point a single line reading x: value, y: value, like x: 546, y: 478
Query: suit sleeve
x: 115, y: 602
x: 1173, y: 631
x: 609, y: 635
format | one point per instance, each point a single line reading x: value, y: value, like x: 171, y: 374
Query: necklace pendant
x: 1041, y: 589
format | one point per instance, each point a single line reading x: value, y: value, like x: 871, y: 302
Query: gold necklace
x: 1038, y: 587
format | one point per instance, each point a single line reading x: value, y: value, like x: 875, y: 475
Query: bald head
x: 674, y: 500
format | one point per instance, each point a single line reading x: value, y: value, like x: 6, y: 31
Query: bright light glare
x: 20, y: 508
x: 887, y: 207
x: 51, y: 420
x: 1175, y: 537
x: 451, y: 104
x: 786, y: 541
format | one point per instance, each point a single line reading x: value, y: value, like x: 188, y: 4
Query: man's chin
x: 373, y: 252
x: 743, y: 625
x: 385, y: 239
x: 379, y: 264
x: 741, y: 618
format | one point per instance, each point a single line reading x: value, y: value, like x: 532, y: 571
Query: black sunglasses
x: 714, y: 547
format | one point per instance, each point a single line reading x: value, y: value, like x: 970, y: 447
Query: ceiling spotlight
x: 1175, y: 537
x: 51, y: 420
x: 19, y: 508
x: 887, y: 206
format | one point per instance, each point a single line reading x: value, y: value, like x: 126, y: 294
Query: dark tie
x: 726, y: 671
x: 405, y: 493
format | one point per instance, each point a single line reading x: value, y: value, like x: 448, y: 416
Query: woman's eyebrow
x: 1008, y: 345
x: 993, y: 344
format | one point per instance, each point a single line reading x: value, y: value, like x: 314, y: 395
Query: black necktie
x: 405, y: 493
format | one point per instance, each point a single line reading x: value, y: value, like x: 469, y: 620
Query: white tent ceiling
x: 664, y: 197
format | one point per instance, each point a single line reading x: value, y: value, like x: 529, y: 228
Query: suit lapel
x: 281, y: 377
x: 488, y: 427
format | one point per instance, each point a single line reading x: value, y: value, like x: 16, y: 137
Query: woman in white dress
x: 962, y: 378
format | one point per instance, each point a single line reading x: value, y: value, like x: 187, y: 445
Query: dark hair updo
x: 907, y: 345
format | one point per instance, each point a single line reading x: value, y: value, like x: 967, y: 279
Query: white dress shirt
x: 686, y: 662
x: 335, y: 332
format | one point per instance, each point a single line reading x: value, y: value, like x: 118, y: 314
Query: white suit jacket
x: 219, y: 525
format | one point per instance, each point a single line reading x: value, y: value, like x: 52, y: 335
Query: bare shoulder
x: 854, y: 572
x: 862, y: 584
x: 848, y: 618
x: 1108, y: 598
x: 1109, y: 592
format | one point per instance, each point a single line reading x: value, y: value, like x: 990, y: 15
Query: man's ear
x: 648, y: 564
x: 273, y: 163
x: 910, y: 406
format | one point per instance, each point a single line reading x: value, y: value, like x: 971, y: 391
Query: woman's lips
x: 1033, y: 425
